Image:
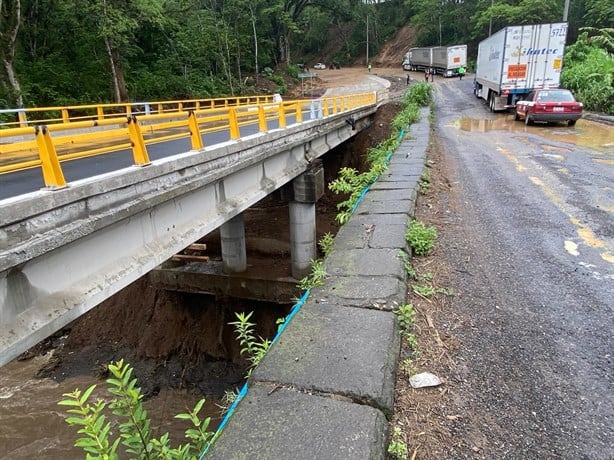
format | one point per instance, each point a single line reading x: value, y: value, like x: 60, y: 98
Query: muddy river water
x: 33, y: 424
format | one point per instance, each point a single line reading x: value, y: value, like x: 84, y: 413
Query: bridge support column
x: 234, y: 255
x: 308, y: 188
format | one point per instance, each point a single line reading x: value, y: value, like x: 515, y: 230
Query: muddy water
x: 32, y: 424
x: 585, y: 133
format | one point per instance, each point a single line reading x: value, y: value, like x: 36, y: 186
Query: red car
x: 549, y: 105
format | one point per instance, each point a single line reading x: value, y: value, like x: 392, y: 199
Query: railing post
x: 52, y: 171
x: 100, y: 112
x: 262, y: 125
x: 234, y: 123
x: 139, y: 151
x: 282, y: 115
x: 65, y: 117
x: 299, y: 113
x: 326, y: 101
x: 21, y: 116
x: 195, y: 137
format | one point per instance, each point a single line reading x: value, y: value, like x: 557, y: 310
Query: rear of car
x: 549, y: 105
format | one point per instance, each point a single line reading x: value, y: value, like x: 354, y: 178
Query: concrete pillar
x: 234, y: 256
x: 302, y: 237
x: 307, y: 189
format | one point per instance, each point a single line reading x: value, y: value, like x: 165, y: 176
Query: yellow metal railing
x: 67, y: 114
x: 47, y: 145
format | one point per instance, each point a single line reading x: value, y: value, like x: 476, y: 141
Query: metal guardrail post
x: 282, y: 116
x: 52, y: 171
x: 262, y: 125
x: 100, y: 112
x: 139, y: 151
x: 23, y: 121
x: 195, y: 137
x: 299, y: 113
x: 234, y: 123
x: 65, y: 116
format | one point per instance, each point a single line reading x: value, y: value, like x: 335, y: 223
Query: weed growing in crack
x: 409, y: 268
x: 405, y: 316
x: 253, y: 347
x: 316, y: 277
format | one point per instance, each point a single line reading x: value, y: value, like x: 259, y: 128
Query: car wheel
x: 527, y: 119
x: 571, y: 122
x: 491, y: 104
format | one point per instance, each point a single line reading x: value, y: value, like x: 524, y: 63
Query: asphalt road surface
x: 531, y: 242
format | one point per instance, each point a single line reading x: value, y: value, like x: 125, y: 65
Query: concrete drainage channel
x: 325, y: 389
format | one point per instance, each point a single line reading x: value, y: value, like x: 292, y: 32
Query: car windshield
x: 555, y: 96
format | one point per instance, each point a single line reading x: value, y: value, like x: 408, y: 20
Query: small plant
x: 316, y: 277
x: 254, y: 348
x: 228, y: 400
x: 425, y: 182
x: 405, y: 315
x: 407, y: 367
x: 423, y: 290
x: 326, y: 243
x: 420, y: 237
x: 132, y: 421
x: 397, y: 447
x: 409, y: 268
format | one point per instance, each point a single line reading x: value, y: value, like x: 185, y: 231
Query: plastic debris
x: 424, y: 379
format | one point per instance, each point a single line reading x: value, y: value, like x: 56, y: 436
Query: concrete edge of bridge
x: 325, y: 389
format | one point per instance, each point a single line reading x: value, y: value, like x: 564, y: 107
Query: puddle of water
x: 586, y: 133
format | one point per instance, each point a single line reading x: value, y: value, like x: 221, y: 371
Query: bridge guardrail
x: 24, y: 117
x: 34, y: 146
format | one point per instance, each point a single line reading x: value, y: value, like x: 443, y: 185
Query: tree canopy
x: 60, y: 52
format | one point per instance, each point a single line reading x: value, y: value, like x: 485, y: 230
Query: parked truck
x: 444, y: 60
x: 518, y: 59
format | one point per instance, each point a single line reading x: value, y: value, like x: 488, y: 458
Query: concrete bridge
x: 62, y: 252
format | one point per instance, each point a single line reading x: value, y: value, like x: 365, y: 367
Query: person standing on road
x: 432, y: 74
x: 369, y: 67
x: 461, y: 72
x: 408, y: 79
x: 427, y: 73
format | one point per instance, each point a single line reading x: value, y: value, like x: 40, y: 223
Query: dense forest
x: 65, y: 52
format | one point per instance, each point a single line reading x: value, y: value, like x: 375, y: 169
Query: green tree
x: 10, y: 21
x: 589, y: 70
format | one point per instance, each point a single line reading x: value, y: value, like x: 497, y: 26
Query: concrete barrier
x: 325, y: 389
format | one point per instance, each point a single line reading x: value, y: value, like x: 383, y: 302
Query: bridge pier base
x: 308, y: 188
x: 234, y: 255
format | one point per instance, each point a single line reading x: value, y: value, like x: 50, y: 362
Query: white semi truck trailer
x: 446, y: 60
x: 518, y: 59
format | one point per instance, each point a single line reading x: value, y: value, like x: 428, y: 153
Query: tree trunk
x: 10, y: 20
x: 117, y: 73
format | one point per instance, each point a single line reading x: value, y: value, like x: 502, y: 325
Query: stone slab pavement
x: 325, y: 389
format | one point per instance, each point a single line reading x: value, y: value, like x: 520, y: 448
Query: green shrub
x: 421, y: 238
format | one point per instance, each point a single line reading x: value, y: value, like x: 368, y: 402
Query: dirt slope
x: 391, y: 54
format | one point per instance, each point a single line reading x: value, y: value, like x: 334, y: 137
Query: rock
x: 424, y: 379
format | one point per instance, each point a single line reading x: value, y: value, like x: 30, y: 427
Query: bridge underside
x: 65, y: 251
